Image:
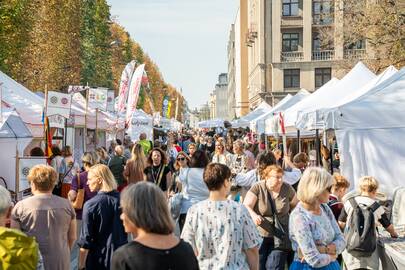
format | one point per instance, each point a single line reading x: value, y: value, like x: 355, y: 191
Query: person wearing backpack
x: 359, y: 218
x: 339, y: 189
x: 17, y: 250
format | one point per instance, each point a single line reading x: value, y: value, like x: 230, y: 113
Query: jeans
x: 275, y: 259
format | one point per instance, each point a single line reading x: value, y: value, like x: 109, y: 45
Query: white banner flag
x: 98, y: 98
x: 134, y: 89
x: 58, y: 103
x: 110, y: 100
x: 124, y: 85
x: 24, y: 167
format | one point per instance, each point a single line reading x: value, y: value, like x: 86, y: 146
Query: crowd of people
x: 196, y: 201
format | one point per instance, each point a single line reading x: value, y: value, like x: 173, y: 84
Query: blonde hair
x: 138, y: 157
x: 313, y: 182
x: 368, y: 184
x: 265, y: 173
x: 339, y: 181
x: 43, y: 177
x: 102, y: 172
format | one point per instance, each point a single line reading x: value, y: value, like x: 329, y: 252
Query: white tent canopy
x: 245, y: 120
x: 269, y: 124
x: 14, y: 135
x: 370, y: 131
x: 354, y: 84
x: 257, y: 125
x: 213, y: 123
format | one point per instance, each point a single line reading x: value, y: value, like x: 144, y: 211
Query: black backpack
x: 361, y: 239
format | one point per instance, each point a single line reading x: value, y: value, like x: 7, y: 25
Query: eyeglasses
x: 181, y: 159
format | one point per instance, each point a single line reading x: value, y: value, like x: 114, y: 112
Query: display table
x: 392, y: 251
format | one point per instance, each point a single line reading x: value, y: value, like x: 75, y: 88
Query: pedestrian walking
x: 157, y: 171
x: 133, y: 171
x: 146, y: 216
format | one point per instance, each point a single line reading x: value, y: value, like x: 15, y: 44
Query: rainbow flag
x: 48, y: 138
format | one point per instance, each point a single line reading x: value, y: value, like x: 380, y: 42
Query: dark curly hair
x: 162, y: 154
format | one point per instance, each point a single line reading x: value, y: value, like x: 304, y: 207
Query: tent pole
x: 299, y: 140
x: 96, y: 135
x: 64, y: 134
x: 85, y: 118
x: 317, y: 146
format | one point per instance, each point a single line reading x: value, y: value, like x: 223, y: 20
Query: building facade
x: 286, y: 51
x: 221, y: 97
x: 241, y: 61
x: 231, y: 74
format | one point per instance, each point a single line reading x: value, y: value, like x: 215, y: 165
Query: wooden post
x: 45, y: 112
x: 299, y: 140
x: 85, y: 118
x: 318, y: 148
x: 17, y: 173
x: 96, y: 135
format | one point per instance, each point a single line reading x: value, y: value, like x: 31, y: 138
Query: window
x: 291, y: 78
x: 290, y: 42
x: 322, y: 12
x: 316, y: 42
x: 358, y: 45
x: 322, y: 76
x: 290, y: 7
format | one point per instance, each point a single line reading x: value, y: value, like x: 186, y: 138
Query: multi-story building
x: 241, y: 60
x: 231, y: 74
x: 213, y: 105
x: 285, y: 49
x: 221, y: 97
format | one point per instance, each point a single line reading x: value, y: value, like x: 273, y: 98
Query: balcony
x: 292, y: 56
x: 322, y: 20
x: 326, y: 55
x: 355, y: 53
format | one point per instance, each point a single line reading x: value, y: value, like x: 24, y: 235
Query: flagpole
x: 85, y: 118
x: 45, y: 114
x: 96, y: 135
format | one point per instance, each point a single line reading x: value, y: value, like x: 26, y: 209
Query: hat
x: 312, y: 155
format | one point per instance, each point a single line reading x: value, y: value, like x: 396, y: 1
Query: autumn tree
x: 96, y: 44
x: 378, y: 25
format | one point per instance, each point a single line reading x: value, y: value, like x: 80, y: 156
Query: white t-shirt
x: 194, y: 188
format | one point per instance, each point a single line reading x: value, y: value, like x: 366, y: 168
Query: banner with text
x: 134, y: 89
x: 124, y: 85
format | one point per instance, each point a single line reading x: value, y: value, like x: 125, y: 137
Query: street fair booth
x: 257, y: 124
x: 213, y: 123
x: 14, y: 138
x: 272, y: 119
x: 244, y: 121
x: 141, y: 122
x: 369, y: 132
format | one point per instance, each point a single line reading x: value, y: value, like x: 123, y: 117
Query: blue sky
x: 187, y: 39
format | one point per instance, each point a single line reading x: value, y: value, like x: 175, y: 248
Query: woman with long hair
x: 133, y: 171
x: 157, y: 171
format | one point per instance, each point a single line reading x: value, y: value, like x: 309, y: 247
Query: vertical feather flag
x: 134, y: 89
x: 124, y: 85
x: 48, y: 138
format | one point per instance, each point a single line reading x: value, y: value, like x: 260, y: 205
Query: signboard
x: 57, y: 121
x: 140, y: 123
x: 98, y: 98
x: 24, y: 166
x: 58, y: 104
x: 76, y: 88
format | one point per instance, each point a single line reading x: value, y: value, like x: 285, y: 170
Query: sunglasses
x: 181, y: 159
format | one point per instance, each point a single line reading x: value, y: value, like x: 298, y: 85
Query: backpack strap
x: 374, y: 206
x: 353, y: 202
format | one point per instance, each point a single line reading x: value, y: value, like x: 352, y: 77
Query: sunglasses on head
x: 181, y: 159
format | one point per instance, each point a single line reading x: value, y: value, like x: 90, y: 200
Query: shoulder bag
x: 78, y: 202
x: 176, y: 200
x: 280, y: 231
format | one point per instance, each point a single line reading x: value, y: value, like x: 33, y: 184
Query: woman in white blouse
x: 220, y: 154
x: 221, y: 231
